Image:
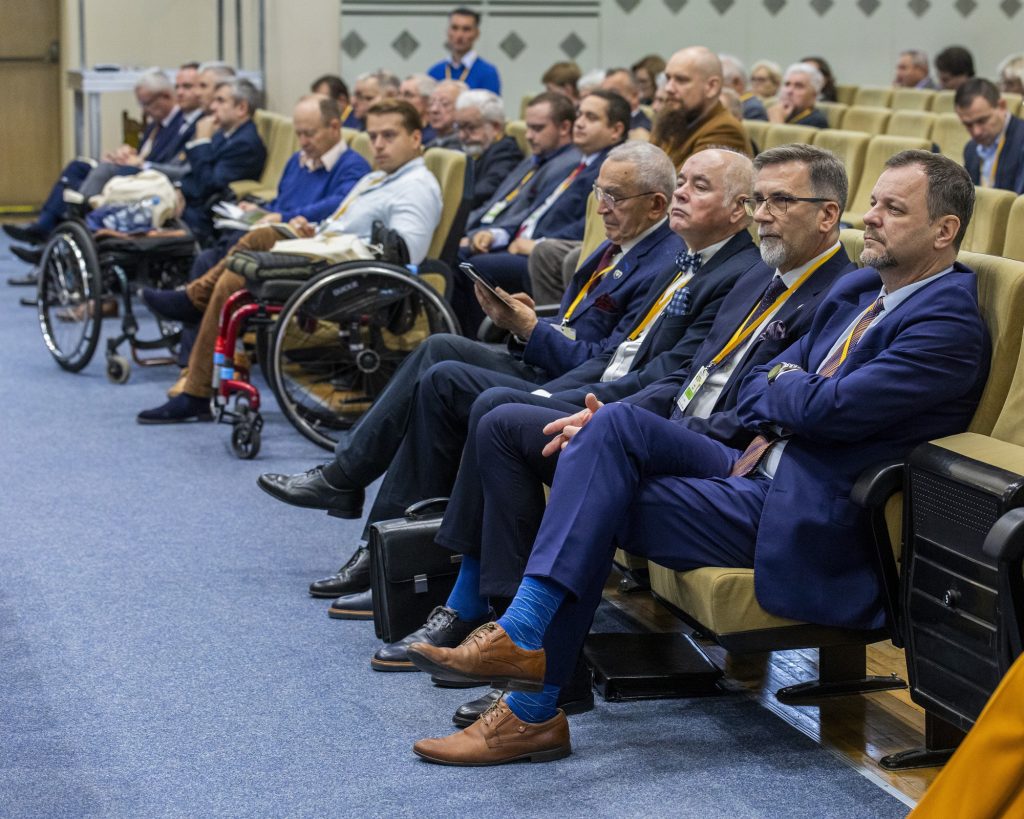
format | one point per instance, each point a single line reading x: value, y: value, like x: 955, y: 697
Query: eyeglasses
x: 609, y: 201
x: 778, y: 203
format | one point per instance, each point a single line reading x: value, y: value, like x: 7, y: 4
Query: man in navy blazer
x: 598, y: 310
x: 216, y: 158
x: 994, y: 157
x: 501, y: 250
x: 897, y: 354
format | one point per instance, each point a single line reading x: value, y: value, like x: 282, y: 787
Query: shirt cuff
x: 195, y: 142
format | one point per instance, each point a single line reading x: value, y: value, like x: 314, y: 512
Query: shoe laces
x: 481, y: 632
x: 496, y: 710
x: 442, y: 617
x: 353, y: 559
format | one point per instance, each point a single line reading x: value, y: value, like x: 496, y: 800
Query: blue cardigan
x: 316, y: 194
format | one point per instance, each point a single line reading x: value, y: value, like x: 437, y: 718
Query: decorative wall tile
x: 512, y: 45
x: 352, y: 44
x: 572, y: 46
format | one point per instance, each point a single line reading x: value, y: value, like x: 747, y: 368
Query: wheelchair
x: 80, y: 273
x: 328, y: 338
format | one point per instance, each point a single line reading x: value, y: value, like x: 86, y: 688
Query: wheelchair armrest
x: 877, y: 484
x: 1005, y: 544
x: 1005, y: 540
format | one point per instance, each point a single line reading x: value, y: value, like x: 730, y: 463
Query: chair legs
x: 841, y: 670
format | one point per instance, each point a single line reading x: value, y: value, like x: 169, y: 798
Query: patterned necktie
x: 688, y: 262
x: 758, y: 448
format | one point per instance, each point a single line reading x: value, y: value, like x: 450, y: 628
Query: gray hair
x: 1013, y: 67
x: 155, y: 81
x: 732, y: 69
x: 425, y: 85
x: 950, y: 189
x: 771, y: 67
x: 386, y: 81
x: 243, y: 91
x: 918, y: 57
x: 221, y: 71
x: 489, y: 104
x: 654, y: 170
x: 591, y: 80
x: 825, y: 170
x: 811, y: 71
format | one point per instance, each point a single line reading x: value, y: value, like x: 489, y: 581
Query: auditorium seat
x: 278, y: 135
x: 1013, y: 248
x: 951, y: 137
x: 756, y: 130
x: 834, y: 111
x: 450, y: 169
x: 987, y: 231
x: 911, y: 99
x: 516, y: 128
x: 1013, y: 102
x: 942, y: 102
x: 721, y: 602
x: 870, y: 120
x: 911, y: 123
x: 850, y: 146
x: 845, y: 93
x: 873, y: 96
x: 879, y: 150
x: 361, y: 145
x: 782, y: 134
x: 593, y: 232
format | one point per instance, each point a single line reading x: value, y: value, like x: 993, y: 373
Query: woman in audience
x: 765, y: 78
x: 645, y: 73
x: 828, y: 90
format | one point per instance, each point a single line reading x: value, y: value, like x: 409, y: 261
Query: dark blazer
x: 792, y: 321
x: 814, y: 118
x: 216, y: 163
x: 610, y: 310
x: 753, y: 107
x: 1010, y: 170
x: 638, y: 119
x: 550, y: 172
x: 916, y: 375
x: 567, y: 217
x: 170, y: 140
x: 672, y: 340
x: 492, y: 168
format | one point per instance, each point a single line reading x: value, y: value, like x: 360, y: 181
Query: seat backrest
x: 450, y: 168
x: 853, y: 243
x: 282, y: 144
x: 879, y: 150
x: 1013, y: 248
x: 1001, y: 298
x: 951, y: 137
x: 834, y: 111
x: 777, y: 135
x: 942, y: 102
x: 846, y: 93
x: 870, y: 120
x: 911, y: 124
x: 593, y: 233
x: 516, y: 129
x: 756, y: 130
x: 850, y: 146
x: 986, y: 232
x: 874, y: 95
x: 911, y: 99
x: 361, y: 145
x: 1013, y: 101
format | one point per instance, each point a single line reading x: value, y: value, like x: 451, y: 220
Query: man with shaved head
x: 694, y: 117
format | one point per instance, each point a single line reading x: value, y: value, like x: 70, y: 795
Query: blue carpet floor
x: 159, y: 655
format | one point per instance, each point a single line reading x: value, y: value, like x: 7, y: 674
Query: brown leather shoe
x: 486, y: 655
x: 499, y: 736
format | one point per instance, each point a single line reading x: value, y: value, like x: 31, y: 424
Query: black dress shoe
x: 354, y: 576
x: 179, y: 410
x: 310, y: 490
x: 30, y: 234
x: 358, y: 606
x: 577, y: 697
x: 172, y: 304
x: 32, y: 255
x: 443, y: 628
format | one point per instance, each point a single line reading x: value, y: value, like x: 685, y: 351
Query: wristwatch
x: 779, y: 369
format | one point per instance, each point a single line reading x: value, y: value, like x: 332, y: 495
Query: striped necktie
x: 758, y: 448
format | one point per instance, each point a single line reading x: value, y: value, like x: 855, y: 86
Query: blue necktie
x: 688, y: 262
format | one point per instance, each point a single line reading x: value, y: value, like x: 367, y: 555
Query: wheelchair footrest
x: 650, y: 666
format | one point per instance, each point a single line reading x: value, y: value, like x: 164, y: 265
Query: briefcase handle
x: 426, y: 508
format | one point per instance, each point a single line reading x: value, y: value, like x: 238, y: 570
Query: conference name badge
x: 567, y: 331
x: 686, y: 396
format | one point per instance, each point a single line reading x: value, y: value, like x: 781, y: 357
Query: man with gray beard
x: 480, y: 121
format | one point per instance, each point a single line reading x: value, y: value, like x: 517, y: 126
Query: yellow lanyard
x: 990, y: 182
x: 749, y: 326
x: 355, y: 194
x: 595, y: 277
x: 659, y: 305
x: 448, y: 72
x: 345, y: 113
x: 801, y: 115
x: 515, y: 191
x: 853, y: 332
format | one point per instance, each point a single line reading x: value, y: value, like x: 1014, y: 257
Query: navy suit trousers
x: 631, y: 479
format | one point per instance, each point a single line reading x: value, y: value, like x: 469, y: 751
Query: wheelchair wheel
x: 340, y: 338
x: 69, y: 297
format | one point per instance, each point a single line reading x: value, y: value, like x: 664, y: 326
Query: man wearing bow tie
x: 465, y: 65
x: 769, y: 306
x: 897, y: 354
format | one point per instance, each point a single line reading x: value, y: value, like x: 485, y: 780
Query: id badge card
x: 567, y: 331
x: 686, y: 396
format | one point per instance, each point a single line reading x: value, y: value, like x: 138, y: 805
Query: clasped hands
x: 565, y: 429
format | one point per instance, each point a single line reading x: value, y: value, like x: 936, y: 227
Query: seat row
x: 906, y: 99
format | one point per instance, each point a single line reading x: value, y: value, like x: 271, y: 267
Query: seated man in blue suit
x: 501, y: 250
x: 897, y: 354
x: 602, y: 305
x: 769, y: 307
x: 994, y: 157
x: 226, y: 148
x: 798, y: 97
x: 465, y: 65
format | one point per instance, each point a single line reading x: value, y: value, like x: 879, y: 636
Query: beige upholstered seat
x: 911, y: 124
x: 516, y: 129
x: 879, y: 150
x: 942, y: 102
x: 850, y: 146
x: 846, y: 93
x: 756, y: 130
x: 987, y: 231
x: 911, y: 99
x: 951, y: 137
x: 870, y: 120
x: 450, y: 169
x: 1013, y: 248
x: 359, y: 141
x: 834, y: 111
x: 278, y: 135
x: 877, y: 96
x: 777, y: 135
x: 593, y: 233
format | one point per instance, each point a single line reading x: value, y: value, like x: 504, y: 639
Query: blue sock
x: 534, y: 706
x: 531, y: 611
x: 465, y: 597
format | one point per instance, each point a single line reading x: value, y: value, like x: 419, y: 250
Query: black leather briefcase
x: 409, y: 573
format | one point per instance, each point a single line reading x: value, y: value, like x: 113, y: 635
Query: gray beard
x: 774, y: 253
x: 879, y: 261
